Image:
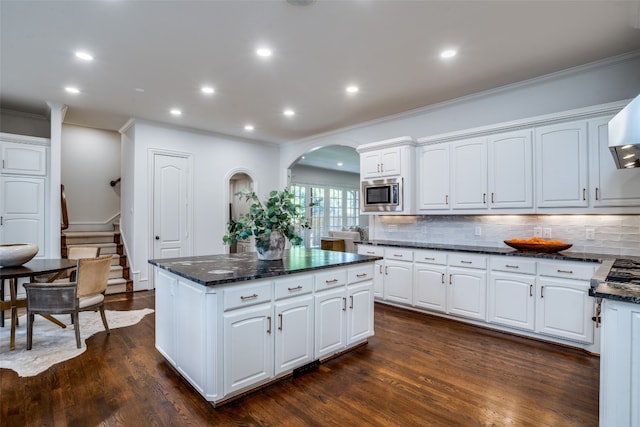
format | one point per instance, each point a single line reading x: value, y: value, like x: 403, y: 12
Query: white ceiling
x: 390, y: 49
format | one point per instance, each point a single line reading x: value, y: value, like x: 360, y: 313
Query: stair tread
x: 89, y: 233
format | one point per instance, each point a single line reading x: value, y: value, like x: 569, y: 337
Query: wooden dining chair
x: 87, y: 293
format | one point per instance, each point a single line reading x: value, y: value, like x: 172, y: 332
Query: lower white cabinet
x: 511, y: 296
x: 564, y: 307
x: 398, y: 275
x: 620, y: 364
x: 430, y: 280
x: 467, y: 286
x: 229, y: 339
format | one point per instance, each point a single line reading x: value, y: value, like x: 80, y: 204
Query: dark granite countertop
x: 490, y: 250
x: 600, y: 288
x: 211, y: 270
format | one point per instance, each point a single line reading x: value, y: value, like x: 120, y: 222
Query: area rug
x: 53, y: 344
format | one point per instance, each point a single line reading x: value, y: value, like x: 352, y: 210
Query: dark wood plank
x: 417, y: 370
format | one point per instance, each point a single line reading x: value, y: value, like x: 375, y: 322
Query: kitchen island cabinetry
x: 228, y: 334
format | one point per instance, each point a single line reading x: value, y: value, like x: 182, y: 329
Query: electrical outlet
x: 591, y: 234
x: 478, y: 230
x: 537, y: 231
x: 546, y: 233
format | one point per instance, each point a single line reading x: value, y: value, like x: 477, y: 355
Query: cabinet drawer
x: 330, y: 279
x: 293, y: 286
x: 370, y: 250
x: 246, y: 295
x: 398, y: 254
x: 571, y: 270
x: 360, y: 274
x: 513, y: 264
x: 430, y: 257
x: 467, y: 260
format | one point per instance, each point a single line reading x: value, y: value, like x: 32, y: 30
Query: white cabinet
x: 23, y: 190
x: 609, y: 186
x: 561, y: 165
x: 430, y: 280
x: 433, y: 177
x: 510, y: 170
x: 330, y: 333
x: 23, y: 159
x: 359, y: 312
x: 467, y: 286
x: 469, y: 173
x: 564, y: 307
x: 511, y: 296
x: 398, y: 275
x: 620, y: 364
x: 381, y: 163
x: 378, y: 271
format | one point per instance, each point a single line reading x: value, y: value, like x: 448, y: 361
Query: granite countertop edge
x: 223, y: 269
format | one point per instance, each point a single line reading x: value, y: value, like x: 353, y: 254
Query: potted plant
x: 270, y: 222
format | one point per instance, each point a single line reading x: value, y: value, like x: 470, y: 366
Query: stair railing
x: 63, y: 204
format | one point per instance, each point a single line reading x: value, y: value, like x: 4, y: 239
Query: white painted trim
x: 576, y: 114
x: 388, y: 143
x: 24, y: 139
x: 125, y: 127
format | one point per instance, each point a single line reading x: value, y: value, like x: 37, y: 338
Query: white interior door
x: 170, y: 206
x: 22, y: 211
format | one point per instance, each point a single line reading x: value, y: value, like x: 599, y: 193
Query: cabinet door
x: 294, y: 333
x: 398, y: 281
x: 564, y: 309
x: 433, y: 176
x: 370, y: 164
x: 512, y: 300
x: 469, y: 174
x: 166, y: 288
x: 330, y: 312
x: 359, y: 312
x: 429, y: 286
x: 390, y: 162
x: 466, y: 295
x: 609, y: 186
x: 23, y: 211
x: 190, y: 333
x: 561, y: 165
x: 248, y: 347
x: 510, y: 170
x: 24, y: 159
x: 378, y: 279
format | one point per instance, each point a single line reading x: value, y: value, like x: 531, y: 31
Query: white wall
x: 215, y: 160
x: 324, y: 177
x: 90, y: 160
x: 21, y: 123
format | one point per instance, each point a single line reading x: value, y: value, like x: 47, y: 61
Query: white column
x: 57, y: 112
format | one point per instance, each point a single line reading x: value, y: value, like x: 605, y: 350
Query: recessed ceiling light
x: 352, y: 89
x: 448, y: 53
x: 72, y: 89
x: 248, y: 127
x: 176, y: 112
x: 84, y: 56
x: 264, y: 52
x: 339, y: 163
x: 139, y: 90
x: 289, y: 112
x: 207, y: 89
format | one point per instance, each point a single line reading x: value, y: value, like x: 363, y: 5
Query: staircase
x: 109, y: 243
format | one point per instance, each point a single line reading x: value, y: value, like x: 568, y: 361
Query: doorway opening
x: 238, y: 207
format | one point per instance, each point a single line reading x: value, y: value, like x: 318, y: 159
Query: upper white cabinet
x: 510, y: 168
x: 609, y: 186
x: 469, y: 174
x: 561, y: 165
x: 381, y: 163
x: 433, y: 177
x: 23, y: 159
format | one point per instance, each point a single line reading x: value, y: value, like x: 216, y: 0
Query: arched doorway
x: 238, y: 207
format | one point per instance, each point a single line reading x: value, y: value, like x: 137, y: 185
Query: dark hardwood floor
x: 417, y: 370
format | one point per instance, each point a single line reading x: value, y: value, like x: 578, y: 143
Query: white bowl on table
x: 15, y: 254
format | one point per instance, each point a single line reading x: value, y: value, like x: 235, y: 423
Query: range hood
x: 624, y: 136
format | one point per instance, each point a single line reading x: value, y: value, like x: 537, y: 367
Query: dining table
x: 54, y: 268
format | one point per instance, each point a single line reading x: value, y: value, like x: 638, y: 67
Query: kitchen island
x: 616, y: 285
x: 231, y: 323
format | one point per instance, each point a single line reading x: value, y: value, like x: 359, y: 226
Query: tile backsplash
x: 612, y: 234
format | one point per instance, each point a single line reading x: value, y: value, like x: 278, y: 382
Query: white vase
x: 275, y: 250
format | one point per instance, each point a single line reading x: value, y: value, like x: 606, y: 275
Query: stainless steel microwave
x: 381, y: 195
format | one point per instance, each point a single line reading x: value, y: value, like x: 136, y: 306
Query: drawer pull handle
x: 243, y: 298
x: 443, y: 278
x: 530, y: 290
x: 361, y: 275
x: 466, y: 262
x: 371, y: 252
x: 429, y: 258
x: 344, y: 304
x: 398, y: 255
x: 450, y: 279
x: 541, y: 291
x: 330, y: 281
x: 351, y: 301
x: 297, y: 288
x: 565, y: 271
x: 511, y: 266
x: 269, y: 327
x: 280, y: 319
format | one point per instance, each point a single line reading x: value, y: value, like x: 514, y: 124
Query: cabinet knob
x: 157, y: 237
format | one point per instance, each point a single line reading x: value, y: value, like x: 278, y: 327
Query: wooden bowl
x: 14, y: 254
x: 543, y: 247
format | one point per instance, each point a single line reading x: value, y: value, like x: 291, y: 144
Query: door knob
x: 157, y: 237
